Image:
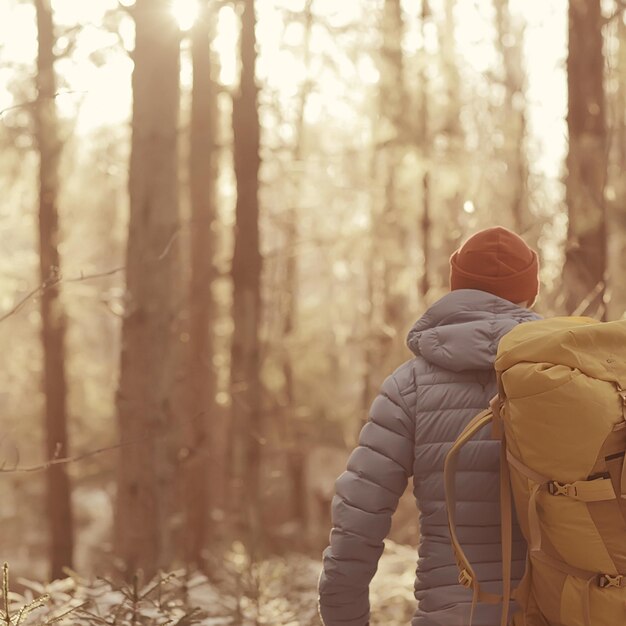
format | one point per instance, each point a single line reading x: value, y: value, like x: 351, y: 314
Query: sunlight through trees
x: 219, y: 219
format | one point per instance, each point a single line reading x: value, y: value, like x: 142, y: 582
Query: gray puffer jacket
x: 421, y: 409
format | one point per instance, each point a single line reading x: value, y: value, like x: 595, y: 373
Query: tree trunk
x: 510, y: 43
x: 295, y: 445
x: 617, y: 213
x: 393, y: 108
x: 447, y: 232
x: 201, y: 375
x: 369, y: 345
x: 447, y: 38
x: 585, y: 254
x: 387, y: 299
x: 246, y: 275
x: 426, y: 221
x: 144, y: 400
x: 53, y: 317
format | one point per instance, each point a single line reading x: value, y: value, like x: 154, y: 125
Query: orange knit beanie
x: 497, y: 261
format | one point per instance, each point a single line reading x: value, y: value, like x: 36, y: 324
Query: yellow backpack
x: 561, y: 417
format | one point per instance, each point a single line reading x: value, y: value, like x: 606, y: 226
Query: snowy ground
x: 279, y: 592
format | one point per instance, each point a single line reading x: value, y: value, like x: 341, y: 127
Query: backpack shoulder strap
x: 506, y: 519
x: 467, y: 576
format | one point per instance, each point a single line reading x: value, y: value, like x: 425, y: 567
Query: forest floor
x: 277, y: 592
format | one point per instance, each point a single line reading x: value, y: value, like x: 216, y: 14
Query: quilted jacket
x: 421, y: 409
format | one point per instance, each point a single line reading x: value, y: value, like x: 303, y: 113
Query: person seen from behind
x: 420, y: 410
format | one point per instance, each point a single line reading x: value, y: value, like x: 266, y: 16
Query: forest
x: 219, y: 220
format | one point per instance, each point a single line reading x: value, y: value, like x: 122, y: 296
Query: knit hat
x: 497, y: 261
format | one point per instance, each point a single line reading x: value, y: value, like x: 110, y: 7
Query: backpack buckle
x: 556, y: 488
x: 607, y: 580
x: 465, y: 579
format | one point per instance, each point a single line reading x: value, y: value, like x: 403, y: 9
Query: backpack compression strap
x: 597, y: 490
x: 506, y: 510
x: 467, y: 576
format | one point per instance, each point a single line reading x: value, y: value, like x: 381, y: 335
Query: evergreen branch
x: 157, y: 585
x: 24, y: 610
x: 58, y: 618
x: 29, y: 608
x: 5, y: 593
x: 93, y: 617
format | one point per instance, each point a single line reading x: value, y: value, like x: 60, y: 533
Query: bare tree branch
x: 585, y: 304
x: 55, y: 460
x: 169, y: 245
x: 83, y: 277
x: 30, y: 103
x: 69, y: 459
x: 52, y: 280
x: 55, y: 278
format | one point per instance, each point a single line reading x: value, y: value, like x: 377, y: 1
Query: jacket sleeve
x: 367, y: 495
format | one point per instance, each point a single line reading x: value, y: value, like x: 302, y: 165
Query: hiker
x: 421, y: 409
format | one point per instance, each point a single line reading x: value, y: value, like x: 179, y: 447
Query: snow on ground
x: 276, y: 592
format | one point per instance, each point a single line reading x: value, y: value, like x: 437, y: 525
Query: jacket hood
x: 461, y: 331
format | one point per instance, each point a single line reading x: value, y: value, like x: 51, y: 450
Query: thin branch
x: 58, y: 618
x: 69, y: 459
x: 589, y: 299
x: 56, y: 460
x: 5, y: 592
x: 83, y: 277
x: 93, y: 617
x: 169, y: 245
x: 55, y: 278
x: 47, y: 284
x: 30, y: 103
x: 52, y: 281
